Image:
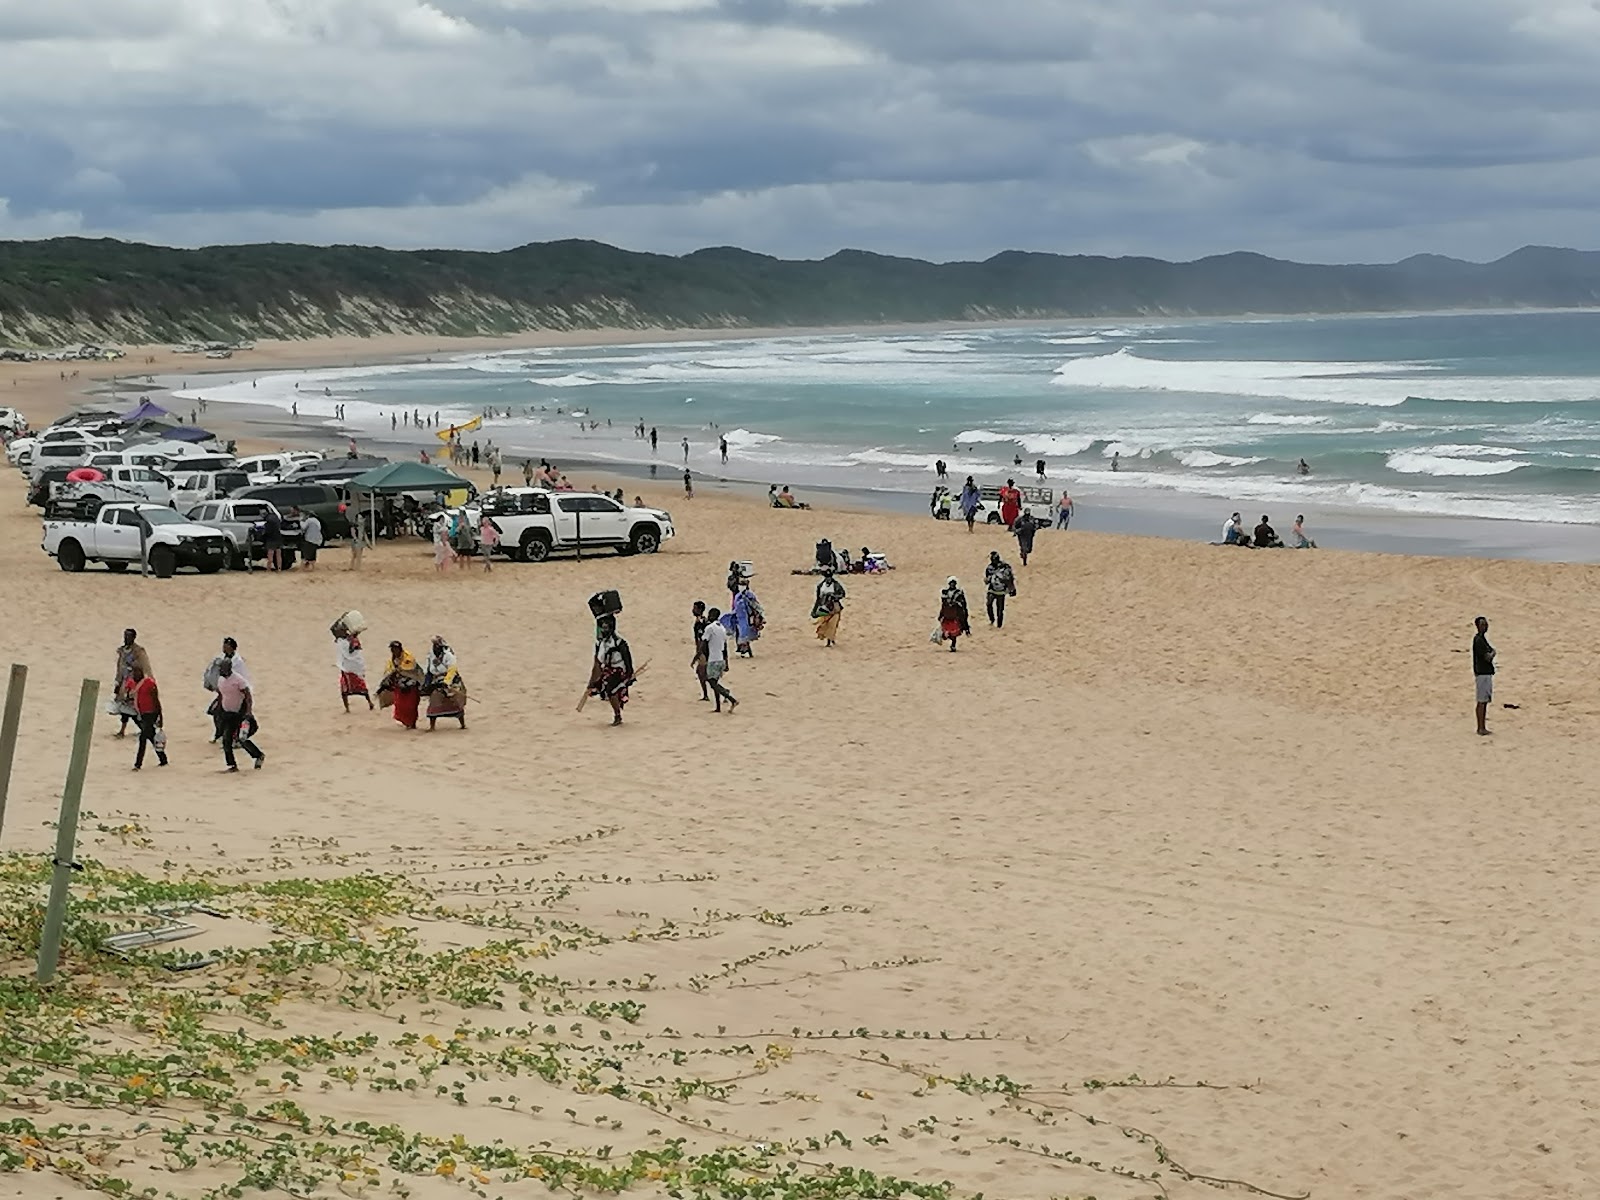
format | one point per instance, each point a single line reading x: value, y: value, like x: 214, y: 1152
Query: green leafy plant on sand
x: 134, y: 1076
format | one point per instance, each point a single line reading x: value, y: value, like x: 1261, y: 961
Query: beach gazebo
x: 400, y: 478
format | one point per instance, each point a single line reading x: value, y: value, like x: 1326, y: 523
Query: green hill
x: 69, y: 290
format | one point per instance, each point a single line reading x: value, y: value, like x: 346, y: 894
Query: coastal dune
x: 1195, y: 816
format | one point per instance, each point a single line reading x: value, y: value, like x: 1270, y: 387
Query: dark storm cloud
x: 1346, y: 129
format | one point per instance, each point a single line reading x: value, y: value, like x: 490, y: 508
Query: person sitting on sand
x: 1297, y: 536
x: 1266, y: 536
x: 1233, y: 533
x: 786, y: 499
x: 772, y: 496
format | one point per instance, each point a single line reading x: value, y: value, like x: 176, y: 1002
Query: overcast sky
x: 1347, y: 130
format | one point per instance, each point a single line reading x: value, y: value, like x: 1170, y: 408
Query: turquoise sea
x: 1486, y: 415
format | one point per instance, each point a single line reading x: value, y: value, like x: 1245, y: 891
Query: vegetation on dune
x: 76, y: 289
x: 380, y: 1035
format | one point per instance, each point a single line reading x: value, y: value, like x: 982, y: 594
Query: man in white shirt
x: 717, y: 659
x: 310, y: 540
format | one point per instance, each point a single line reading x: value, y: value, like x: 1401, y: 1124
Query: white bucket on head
x: 747, y: 570
x: 353, y: 621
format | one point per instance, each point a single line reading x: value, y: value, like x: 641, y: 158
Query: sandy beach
x: 1211, y: 827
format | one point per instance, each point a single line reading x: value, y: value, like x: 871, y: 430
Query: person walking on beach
x: 698, y: 662
x: 1038, y: 469
x: 488, y: 540
x: 722, y: 444
x: 612, y: 673
x: 1000, y: 582
x: 495, y: 464
x: 233, y: 693
x: 147, y: 703
x: 970, y: 499
x: 230, y: 655
x: 1023, y: 530
x: 130, y: 657
x: 829, y: 607
x: 685, y: 449
x: 401, y: 686
x: 310, y: 540
x: 953, y: 620
x: 717, y: 660
x: 527, y: 472
x: 1483, y: 673
x: 1010, y: 503
x: 352, y: 664
x: 1064, y: 511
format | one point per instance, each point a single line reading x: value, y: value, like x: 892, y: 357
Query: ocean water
x: 1487, y: 415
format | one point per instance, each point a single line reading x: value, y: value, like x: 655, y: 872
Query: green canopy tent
x: 397, y: 478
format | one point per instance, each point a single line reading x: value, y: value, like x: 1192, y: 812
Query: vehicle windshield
x: 162, y: 516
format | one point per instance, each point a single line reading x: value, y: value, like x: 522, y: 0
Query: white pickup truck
x: 120, y: 533
x: 129, y: 484
x: 535, y: 523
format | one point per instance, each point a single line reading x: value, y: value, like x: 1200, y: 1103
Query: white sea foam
x: 747, y: 437
x: 979, y: 436
x: 1209, y: 458
x: 1088, y: 339
x: 1383, y: 384
x: 1263, y: 418
x: 576, y: 379
x: 1057, y: 445
x: 1416, y: 462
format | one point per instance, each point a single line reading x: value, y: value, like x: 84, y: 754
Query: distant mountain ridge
x: 69, y: 290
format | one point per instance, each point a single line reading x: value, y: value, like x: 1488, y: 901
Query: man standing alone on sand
x: 1483, y: 672
x: 1064, y: 512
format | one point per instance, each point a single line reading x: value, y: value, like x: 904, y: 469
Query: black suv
x: 323, y: 500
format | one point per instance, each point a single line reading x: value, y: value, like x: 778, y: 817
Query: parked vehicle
x: 238, y: 520
x: 44, y: 484
x: 11, y: 421
x: 535, y: 523
x: 106, y: 459
x: 62, y: 454
x: 192, y: 487
x: 120, y: 484
x: 120, y: 533
x: 332, y: 470
x: 270, y: 468
x: 323, y: 499
x: 1039, y: 501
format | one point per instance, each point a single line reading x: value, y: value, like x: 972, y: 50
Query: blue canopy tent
x: 146, y: 411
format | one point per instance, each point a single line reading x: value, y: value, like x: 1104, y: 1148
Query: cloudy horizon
x: 1326, y: 132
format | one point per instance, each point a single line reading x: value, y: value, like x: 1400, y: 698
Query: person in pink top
x: 233, y: 695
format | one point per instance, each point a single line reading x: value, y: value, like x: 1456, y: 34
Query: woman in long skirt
x: 748, y: 618
x: 447, y: 691
x: 401, y: 686
x: 352, y: 669
x: 828, y: 608
x: 953, y: 622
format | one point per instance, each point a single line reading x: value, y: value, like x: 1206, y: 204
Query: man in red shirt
x: 147, y: 707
